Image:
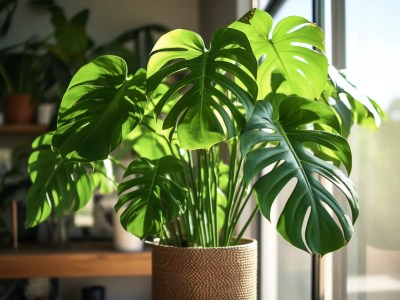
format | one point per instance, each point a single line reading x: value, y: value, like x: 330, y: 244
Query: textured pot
x: 19, y: 109
x: 205, y: 273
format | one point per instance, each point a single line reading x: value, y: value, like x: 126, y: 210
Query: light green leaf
x: 57, y: 187
x: 101, y: 106
x: 200, y: 113
x: 351, y: 104
x: 151, y: 199
x: 103, y: 177
x: 146, y: 141
x: 293, y: 48
x: 281, y: 144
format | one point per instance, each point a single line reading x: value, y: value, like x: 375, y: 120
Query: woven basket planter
x: 205, y: 273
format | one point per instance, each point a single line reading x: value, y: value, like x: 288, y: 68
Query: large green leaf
x: 57, y: 186
x: 202, y: 114
x: 279, y: 140
x: 293, y: 48
x: 101, y: 106
x: 151, y: 198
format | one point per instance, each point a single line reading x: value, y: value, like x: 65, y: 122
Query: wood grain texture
x: 74, y: 264
x: 22, y: 128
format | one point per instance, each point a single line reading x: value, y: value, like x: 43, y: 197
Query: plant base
x: 205, y: 273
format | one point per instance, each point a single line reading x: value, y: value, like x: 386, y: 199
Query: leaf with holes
x: 293, y: 48
x: 203, y: 115
x: 101, y: 105
x: 350, y: 104
x: 279, y: 140
x: 57, y: 187
x: 150, y: 197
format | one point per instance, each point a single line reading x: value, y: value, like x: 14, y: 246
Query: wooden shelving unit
x: 22, y: 128
x: 75, y: 261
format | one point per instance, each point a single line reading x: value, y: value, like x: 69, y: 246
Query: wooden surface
x: 25, y: 263
x: 22, y: 128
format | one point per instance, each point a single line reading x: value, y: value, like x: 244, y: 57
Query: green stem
x: 202, y: 211
x: 249, y: 221
x: 117, y: 162
x: 214, y: 172
x: 208, y: 198
x: 7, y: 81
x: 234, y: 202
x: 112, y: 180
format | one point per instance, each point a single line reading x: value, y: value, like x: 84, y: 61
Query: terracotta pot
x: 205, y: 273
x: 19, y: 109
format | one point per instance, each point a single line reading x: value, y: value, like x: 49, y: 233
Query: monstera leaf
x: 278, y: 138
x: 351, y: 105
x: 202, y: 114
x: 57, y: 187
x: 101, y: 106
x: 151, y: 198
x: 293, y: 48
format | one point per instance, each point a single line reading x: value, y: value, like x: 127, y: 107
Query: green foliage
x: 57, y: 187
x: 146, y: 140
x: 102, y: 177
x: 103, y: 91
x: 153, y: 199
x: 203, y: 115
x: 255, y: 114
x: 351, y: 105
x: 281, y: 142
x: 7, y: 10
x: 294, y: 49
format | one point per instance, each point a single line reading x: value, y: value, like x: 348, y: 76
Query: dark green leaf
x: 57, y: 187
x: 101, y: 106
x: 151, y: 199
x: 280, y: 144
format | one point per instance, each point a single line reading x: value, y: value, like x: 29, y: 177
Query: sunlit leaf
x: 57, y: 187
x: 293, y: 48
x: 103, y: 177
x: 101, y: 106
x: 280, y: 144
x: 202, y: 115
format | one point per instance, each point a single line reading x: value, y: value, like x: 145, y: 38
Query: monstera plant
x: 212, y: 129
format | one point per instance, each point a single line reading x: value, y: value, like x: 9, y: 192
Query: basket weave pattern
x: 205, y: 273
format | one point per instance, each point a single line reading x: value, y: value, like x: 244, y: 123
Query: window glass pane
x: 295, y: 8
x: 372, y: 57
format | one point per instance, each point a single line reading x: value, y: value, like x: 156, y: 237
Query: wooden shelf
x: 73, y: 262
x: 22, y: 128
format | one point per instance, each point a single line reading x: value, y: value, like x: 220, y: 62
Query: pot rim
x: 244, y: 243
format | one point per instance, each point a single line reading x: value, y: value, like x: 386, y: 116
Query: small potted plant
x: 213, y: 130
x: 22, y: 74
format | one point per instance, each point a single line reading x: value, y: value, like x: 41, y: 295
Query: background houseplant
x: 261, y: 95
x: 24, y: 80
